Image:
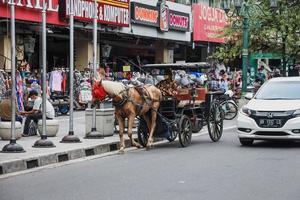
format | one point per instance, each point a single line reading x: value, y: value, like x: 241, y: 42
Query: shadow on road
x: 274, y: 144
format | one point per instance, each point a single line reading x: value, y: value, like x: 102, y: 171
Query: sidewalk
x: 36, y: 157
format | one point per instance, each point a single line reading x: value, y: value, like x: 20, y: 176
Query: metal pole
x: 94, y: 133
x: 13, y: 147
x: 71, y: 138
x: 245, y: 52
x: 43, y: 142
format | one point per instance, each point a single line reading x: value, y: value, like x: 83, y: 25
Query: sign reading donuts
x: 159, y: 16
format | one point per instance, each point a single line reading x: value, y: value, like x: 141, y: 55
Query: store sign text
x: 150, y: 16
x: 106, y: 13
x: 144, y: 14
x: 113, y: 12
x: 37, y: 4
x: 208, y: 23
x: 30, y: 10
x: 179, y: 21
x: 147, y: 15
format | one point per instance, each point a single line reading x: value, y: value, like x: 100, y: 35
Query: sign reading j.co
x: 113, y: 12
x: 208, y: 23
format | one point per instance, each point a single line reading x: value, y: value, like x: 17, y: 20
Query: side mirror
x: 249, y: 96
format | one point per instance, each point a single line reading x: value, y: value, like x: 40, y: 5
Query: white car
x: 273, y: 113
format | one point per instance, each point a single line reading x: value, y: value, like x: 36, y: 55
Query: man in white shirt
x: 36, y: 113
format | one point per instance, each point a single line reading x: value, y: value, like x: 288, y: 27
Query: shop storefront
x: 114, y: 13
x: 158, y: 33
x: 135, y: 31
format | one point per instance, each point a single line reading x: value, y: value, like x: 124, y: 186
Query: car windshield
x: 283, y: 90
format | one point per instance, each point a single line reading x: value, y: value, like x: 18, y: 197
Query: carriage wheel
x: 215, y: 121
x: 142, y: 133
x: 185, y: 131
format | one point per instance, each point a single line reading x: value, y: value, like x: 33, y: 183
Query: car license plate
x: 270, y: 123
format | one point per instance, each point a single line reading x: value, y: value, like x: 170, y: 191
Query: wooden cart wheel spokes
x: 215, y: 122
x: 142, y: 133
x: 185, y: 131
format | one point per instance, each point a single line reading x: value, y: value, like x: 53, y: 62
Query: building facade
x: 136, y: 31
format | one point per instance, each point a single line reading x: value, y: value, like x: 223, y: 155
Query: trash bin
x: 105, y: 118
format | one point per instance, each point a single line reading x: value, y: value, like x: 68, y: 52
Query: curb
x: 41, y: 161
x: 33, y: 162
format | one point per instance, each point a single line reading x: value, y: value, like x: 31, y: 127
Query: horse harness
x: 143, y: 92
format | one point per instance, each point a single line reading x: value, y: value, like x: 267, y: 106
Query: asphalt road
x: 204, y: 170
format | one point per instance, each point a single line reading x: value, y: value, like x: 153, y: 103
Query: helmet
x: 229, y: 93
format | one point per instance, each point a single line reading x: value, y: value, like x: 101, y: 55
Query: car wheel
x: 246, y: 142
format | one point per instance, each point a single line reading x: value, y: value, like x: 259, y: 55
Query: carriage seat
x: 184, y: 103
x: 52, y: 127
x: 5, y: 133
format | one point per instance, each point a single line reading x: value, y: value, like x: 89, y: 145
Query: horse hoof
x: 121, y: 151
x: 137, y: 145
x: 148, y: 147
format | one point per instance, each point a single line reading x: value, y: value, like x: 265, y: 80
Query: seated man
x: 213, y: 84
x: 36, y: 113
x: 5, y: 109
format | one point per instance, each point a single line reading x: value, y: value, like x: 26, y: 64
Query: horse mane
x: 112, y: 87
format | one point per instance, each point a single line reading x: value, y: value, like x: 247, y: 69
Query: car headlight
x: 297, y: 113
x: 246, y: 111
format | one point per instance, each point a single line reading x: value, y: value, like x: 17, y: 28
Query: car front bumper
x: 258, y: 133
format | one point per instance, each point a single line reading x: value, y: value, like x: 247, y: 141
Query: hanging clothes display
x: 77, y: 81
x: 3, y: 83
x: 85, y: 94
x: 55, y: 81
x: 20, y: 91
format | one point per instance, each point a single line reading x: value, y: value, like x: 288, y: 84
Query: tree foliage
x: 271, y: 30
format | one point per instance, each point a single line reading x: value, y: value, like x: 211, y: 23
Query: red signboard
x: 208, y: 23
x: 30, y: 10
x: 113, y: 12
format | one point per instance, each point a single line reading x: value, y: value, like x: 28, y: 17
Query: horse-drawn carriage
x: 186, y: 111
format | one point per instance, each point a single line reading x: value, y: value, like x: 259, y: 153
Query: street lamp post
x: 71, y: 138
x: 241, y: 9
x: 13, y: 147
x: 44, y: 142
x: 94, y: 133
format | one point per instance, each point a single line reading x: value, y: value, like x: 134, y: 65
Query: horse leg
x: 147, y: 120
x: 121, y: 122
x: 153, y: 124
x: 130, y: 125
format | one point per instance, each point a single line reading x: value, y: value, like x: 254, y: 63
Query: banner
x: 160, y: 17
x: 112, y: 12
x: 208, y: 23
x: 30, y: 10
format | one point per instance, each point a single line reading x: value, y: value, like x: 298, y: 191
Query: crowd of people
x: 215, y: 80
x: 227, y: 80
